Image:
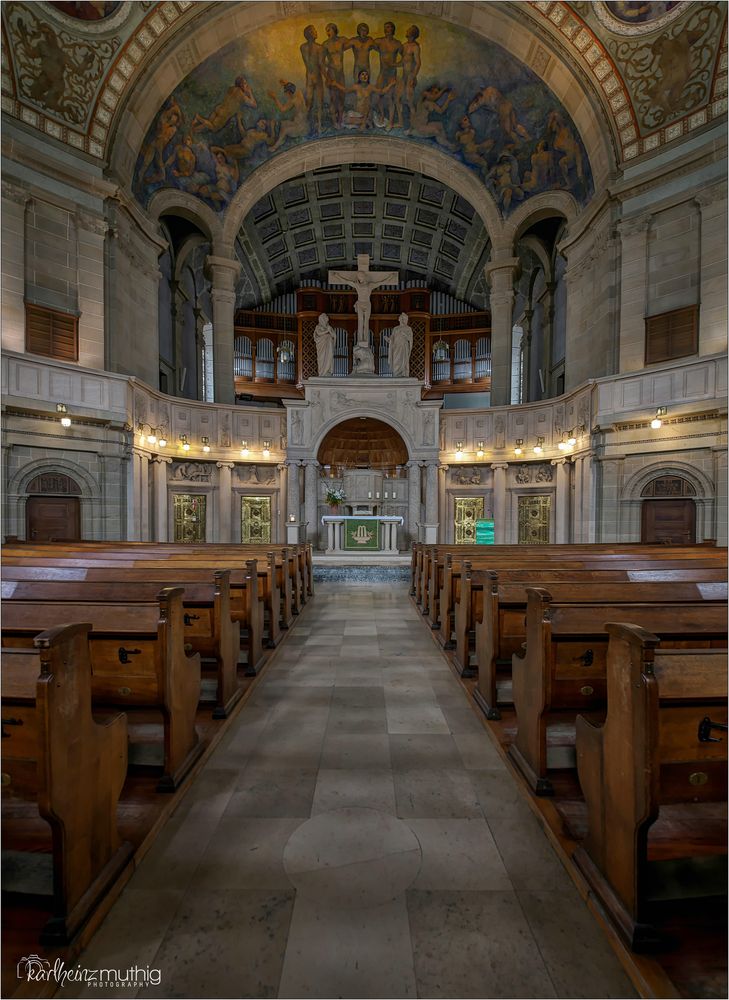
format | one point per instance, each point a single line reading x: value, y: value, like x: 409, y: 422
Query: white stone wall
x: 13, y: 267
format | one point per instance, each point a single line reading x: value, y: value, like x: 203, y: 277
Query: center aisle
x: 356, y: 834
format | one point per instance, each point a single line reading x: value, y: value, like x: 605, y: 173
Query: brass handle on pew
x: 10, y: 722
x: 587, y: 658
x: 124, y: 654
x: 705, y: 727
x: 189, y: 619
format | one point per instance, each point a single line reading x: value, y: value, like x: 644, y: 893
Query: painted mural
x: 87, y: 10
x: 640, y: 11
x: 303, y: 79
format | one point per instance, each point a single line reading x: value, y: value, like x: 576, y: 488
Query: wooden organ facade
x: 275, y: 352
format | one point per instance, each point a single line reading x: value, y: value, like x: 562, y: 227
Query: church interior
x: 364, y: 404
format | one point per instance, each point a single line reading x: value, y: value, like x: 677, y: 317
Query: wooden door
x: 53, y: 519
x: 669, y: 521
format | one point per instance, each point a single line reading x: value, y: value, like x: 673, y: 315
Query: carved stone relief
x: 197, y: 472
x: 256, y: 475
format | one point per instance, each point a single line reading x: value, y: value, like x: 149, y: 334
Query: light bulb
x: 206, y: 448
x: 65, y: 421
x: 538, y: 449
x: 656, y: 422
x: 266, y: 453
x: 517, y: 450
x: 153, y: 439
x: 163, y: 442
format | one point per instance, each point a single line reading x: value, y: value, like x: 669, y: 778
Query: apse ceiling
x: 403, y: 220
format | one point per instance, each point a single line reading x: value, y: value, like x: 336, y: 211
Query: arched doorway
x: 53, y: 509
x: 668, y: 511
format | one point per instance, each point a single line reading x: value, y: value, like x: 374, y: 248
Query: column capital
x: 311, y: 463
x: 414, y: 463
x: 162, y: 459
x: 223, y: 264
x: 559, y: 461
x: 293, y: 462
x: 507, y: 264
x: 225, y: 465
x: 495, y: 466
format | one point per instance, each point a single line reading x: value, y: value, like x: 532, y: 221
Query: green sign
x: 484, y: 532
x: 362, y: 534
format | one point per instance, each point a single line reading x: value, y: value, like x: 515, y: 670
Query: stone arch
x: 90, y: 496
x: 541, y: 206
x: 170, y: 201
x: 360, y: 409
x: 631, y: 499
x: 359, y: 149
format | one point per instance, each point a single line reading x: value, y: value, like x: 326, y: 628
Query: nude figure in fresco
x: 539, y: 178
x: 472, y: 151
x: 361, y: 45
x: 296, y: 127
x: 226, y: 173
x: 236, y: 98
x: 313, y: 55
x: 334, y: 48
x: 363, y: 90
x: 427, y: 104
x: 169, y: 121
x: 560, y: 137
x: 411, y: 64
x: 504, y: 177
x: 250, y: 138
x: 494, y: 100
x: 389, y: 49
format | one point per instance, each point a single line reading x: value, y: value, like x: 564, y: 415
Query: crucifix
x: 363, y: 281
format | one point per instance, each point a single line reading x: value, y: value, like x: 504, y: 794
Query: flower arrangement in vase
x: 334, y: 497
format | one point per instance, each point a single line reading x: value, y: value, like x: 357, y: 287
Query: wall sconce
x: 538, y: 449
x: 386, y: 497
x: 184, y: 443
x: 572, y: 440
x: 656, y: 422
x: 206, y: 444
x: 244, y: 449
x: 377, y: 496
x: 162, y: 441
x: 266, y: 449
x: 394, y: 495
x: 369, y: 494
x: 459, y: 449
x: 479, y: 452
x: 292, y: 518
x: 518, y: 446
x: 65, y: 419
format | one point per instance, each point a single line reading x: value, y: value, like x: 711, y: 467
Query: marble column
x: 526, y: 361
x: 445, y: 523
x: 431, y: 492
x: 577, y: 528
x: 161, y: 526
x: 225, y: 501
x: 311, y: 500
x: 562, y: 500
x: 144, y: 526
x: 293, y: 492
x: 223, y: 273
x: 547, y: 335
x: 500, y: 273
x: 633, y: 289
x: 283, y: 482
x: 414, y: 513
x: 589, y: 498
x: 499, y: 471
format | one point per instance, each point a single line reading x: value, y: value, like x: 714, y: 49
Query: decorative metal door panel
x: 190, y: 512
x: 534, y: 516
x: 468, y: 511
x: 255, y: 519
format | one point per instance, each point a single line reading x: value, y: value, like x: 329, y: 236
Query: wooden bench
x: 138, y: 662
x: 499, y: 602
x: 562, y: 671
x: 71, y: 769
x: 209, y: 627
x: 653, y: 767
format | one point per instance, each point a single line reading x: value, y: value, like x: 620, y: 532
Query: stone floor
x: 356, y: 834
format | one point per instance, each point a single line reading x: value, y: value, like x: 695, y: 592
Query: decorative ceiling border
x: 590, y: 53
x: 580, y: 40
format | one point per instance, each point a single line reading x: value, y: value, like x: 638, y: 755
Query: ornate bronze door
x: 534, y: 516
x: 190, y: 510
x: 255, y: 519
x: 468, y: 511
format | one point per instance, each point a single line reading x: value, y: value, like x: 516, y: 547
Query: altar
x: 361, y: 533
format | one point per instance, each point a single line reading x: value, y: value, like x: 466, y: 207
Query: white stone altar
x: 335, y: 525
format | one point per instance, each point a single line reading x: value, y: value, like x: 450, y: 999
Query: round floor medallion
x: 352, y: 857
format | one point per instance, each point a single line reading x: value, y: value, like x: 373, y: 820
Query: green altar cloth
x: 362, y: 534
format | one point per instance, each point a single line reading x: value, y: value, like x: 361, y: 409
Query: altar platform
x: 362, y: 534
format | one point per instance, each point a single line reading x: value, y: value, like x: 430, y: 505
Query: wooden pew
x: 56, y: 755
x: 499, y: 603
x: 138, y: 662
x: 652, y: 760
x: 209, y: 627
x: 562, y: 670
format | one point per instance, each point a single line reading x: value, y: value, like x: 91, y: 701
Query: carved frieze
x: 197, y: 472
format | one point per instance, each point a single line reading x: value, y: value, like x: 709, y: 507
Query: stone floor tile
x: 478, y: 752
x: 474, y: 944
x: 421, y: 751
x: 348, y: 953
x: 435, y: 792
x: 458, y: 854
x: 357, y: 719
x: 246, y: 853
x: 267, y: 791
x: 352, y: 751
x: 367, y: 788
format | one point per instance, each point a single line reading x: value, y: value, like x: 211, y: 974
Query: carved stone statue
x: 363, y: 362
x: 401, y: 344
x: 363, y: 281
x: 325, y: 339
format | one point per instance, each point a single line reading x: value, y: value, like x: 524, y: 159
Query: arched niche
x: 362, y: 442
x: 666, y: 479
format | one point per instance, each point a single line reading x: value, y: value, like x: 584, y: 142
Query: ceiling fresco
x: 369, y: 73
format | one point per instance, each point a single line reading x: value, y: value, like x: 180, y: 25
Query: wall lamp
x: 656, y: 422
x: 479, y: 451
x: 459, y: 449
x: 244, y: 449
x: 184, y: 443
x: 266, y: 449
x: 205, y: 444
x: 65, y: 419
x: 518, y: 449
x: 538, y: 449
x: 162, y: 441
x: 572, y: 440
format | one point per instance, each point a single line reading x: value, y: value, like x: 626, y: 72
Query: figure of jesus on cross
x: 363, y: 281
